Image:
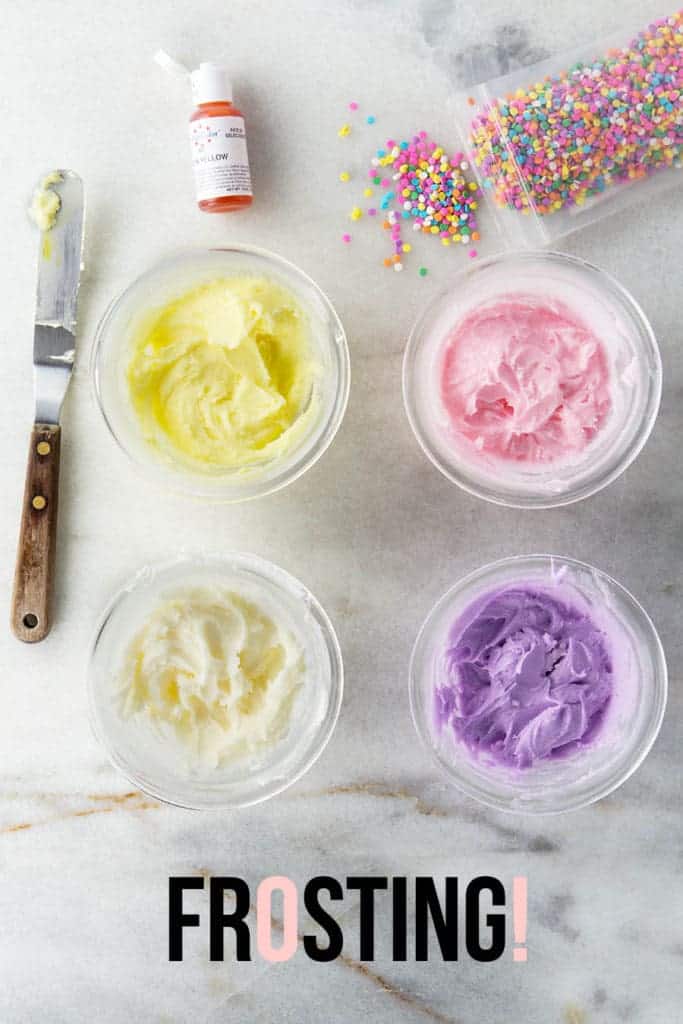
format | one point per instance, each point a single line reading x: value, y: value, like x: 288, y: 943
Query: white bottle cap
x: 210, y: 84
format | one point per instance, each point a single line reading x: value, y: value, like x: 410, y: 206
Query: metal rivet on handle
x: 43, y: 448
x: 39, y: 503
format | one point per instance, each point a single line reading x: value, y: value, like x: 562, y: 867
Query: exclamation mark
x: 519, y: 903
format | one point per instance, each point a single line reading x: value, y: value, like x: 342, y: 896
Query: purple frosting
x: 525, y: 676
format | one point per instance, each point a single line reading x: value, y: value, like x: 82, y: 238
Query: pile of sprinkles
x: 418, y: 181
x: 565, y: 139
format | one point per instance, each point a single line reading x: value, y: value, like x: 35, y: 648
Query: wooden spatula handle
x: 36, y: 551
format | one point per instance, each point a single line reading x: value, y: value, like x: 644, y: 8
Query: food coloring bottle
x: 219, y: 143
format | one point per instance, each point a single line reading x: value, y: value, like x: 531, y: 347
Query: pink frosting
x: 525, y: 379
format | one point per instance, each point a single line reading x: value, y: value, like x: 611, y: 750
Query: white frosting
x: 214, y: 672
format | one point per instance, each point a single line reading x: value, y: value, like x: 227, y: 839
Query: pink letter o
x: 290, y: 919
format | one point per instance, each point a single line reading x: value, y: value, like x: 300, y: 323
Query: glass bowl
x: 634, y: 367
x: 631, y: 721
x: 152, y: 760
x: 171, y: 278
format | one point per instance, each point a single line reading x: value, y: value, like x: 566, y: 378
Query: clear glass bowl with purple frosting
x: 538, y: 684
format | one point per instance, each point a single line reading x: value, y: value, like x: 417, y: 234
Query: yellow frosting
x: 223, y: 376
x: 214, y: 672
x: 46, y: 203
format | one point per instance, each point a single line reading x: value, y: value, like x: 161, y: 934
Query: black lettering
x: 496, y: 922
x: 177, y: 920
x: 366, y: 887
x: 427, y: 906
x: 312, y: 904
x: 235, y: 920
x: 399, y: 900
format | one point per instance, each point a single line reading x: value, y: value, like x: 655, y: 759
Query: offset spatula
x: 59, y: 268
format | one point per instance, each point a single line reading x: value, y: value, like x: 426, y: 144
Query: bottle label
x: 219, y: 157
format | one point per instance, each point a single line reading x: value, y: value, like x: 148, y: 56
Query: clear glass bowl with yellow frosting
x: 214, y: 681
x: 222, y: 373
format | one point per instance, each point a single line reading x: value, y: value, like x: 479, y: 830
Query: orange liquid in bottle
x: 222, y: 204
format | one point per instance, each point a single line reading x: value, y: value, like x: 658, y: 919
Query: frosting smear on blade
x: 524, y: 379
x: 526, y: 675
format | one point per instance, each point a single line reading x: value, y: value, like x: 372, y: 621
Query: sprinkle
x: 558, y: 143
x: 422, y: 271
x: 356, y: 213
x: 370, y: 119
x: 344, y: 176
x: 424, y: 185
x: 398, y: 267
x: 346, y: 238
x: 353, y: 105
x: 473, y: 254
x: 344, y: 131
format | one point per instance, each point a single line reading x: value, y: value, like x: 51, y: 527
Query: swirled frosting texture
x: 222, y: 377
x: 526, y: 675
x: 524, y: 379
x: 215, y: 672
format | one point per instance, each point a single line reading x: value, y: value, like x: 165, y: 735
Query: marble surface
x: 373, y: 529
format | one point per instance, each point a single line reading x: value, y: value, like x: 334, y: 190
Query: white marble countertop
x: 373, y: 529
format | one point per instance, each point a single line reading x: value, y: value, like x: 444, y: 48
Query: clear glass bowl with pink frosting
x: 538, y: 684
x: 533, y: 380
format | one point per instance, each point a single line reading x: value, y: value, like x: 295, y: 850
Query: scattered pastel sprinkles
x: 344, y: 131
x: 353, y: 105
x: 346, y: 238
x: 567, y: 138
x: 422, y: 183
x: 430, y: 188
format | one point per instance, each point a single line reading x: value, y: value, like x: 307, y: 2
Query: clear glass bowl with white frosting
x: 566, y: 778
x: 214, y: 681
x: 633, y: 376
x: 135, y: 425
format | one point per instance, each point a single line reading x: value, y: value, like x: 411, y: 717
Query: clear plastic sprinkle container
x: 567, y: 141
